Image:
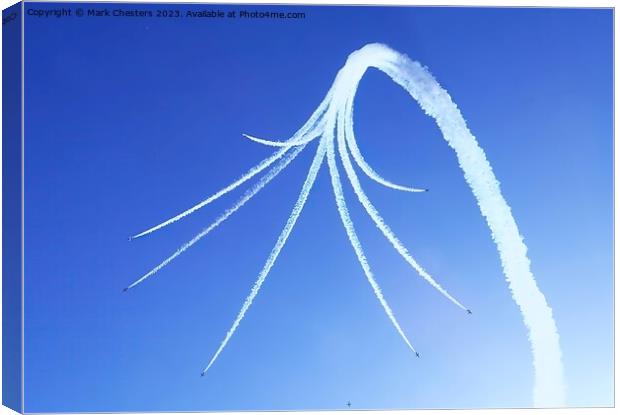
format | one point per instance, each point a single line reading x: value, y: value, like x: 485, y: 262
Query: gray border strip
x: 23, y: 407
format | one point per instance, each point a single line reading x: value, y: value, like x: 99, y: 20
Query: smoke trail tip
x: 271, y: 143
x: 260, y: 140
x: 408, y: 189
x: 138, y: 235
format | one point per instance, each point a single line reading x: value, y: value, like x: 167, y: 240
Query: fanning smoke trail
x: 308, y: 132
x: 301, y: 201
x: 357, y: 246
x: 247, y: 176
x: 247, y: 196
x: 344, y: 129
x: 436, y: 102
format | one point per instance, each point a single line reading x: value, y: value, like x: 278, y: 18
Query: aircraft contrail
x: 301, y: 137
x: 361, y: 162
x: 301, y: 201
x: 373, y: 213
x: 247, y: 176
x: 345, y: 131
x: 271, y: 174
x: 287, y: 144
x: 549, y: 388
x: 357, y: 246
x: 310, y: 131
x: 371, y: 173
x: 335, y: 114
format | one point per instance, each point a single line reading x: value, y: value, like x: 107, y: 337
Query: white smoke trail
x: 436, y: 102
x: 357, y: 246
x: 302, y: 136
x: 271, y: 174
x: 348, y: 79
x: 305, y: 134
x: 345, y: 128
x: 286, y: 144
x: 301, y: 201
x: 247, y: 176
x: 369, y: 171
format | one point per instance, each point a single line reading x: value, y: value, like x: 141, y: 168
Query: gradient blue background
x: 129, y: 121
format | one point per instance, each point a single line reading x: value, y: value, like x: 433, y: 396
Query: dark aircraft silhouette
x: 468, y: 311
x: 349, y: 404
x: 417, y: 354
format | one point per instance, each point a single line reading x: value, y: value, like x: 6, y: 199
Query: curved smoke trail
x: 242, y: 201
x: 436, y: 102
x: 345, y: 131
x: 290, y: 223
x: 247, y: 176
x: 361, y: 162
x: 357, y: 246
x: 304, y: 135
x: 336, y: 108
x: 371, y: 173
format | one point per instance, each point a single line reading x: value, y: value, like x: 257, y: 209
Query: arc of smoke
x: 357, y: 246
x: 436, y: 102
x: 301, y: 201
x: 286, y: 144
x: 304, y: 135
x: 344, y: 130
x: 286, y: 160
x: 367, y: 169
x: 357, y: 155
x: 536, y: 313
x: 301, y: 137
x: 359, y: 159
x: 349, y: 77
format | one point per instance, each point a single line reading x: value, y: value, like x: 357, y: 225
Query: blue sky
x: 131, y: 120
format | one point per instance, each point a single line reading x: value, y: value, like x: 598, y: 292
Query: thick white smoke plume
x: 435, y: 101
